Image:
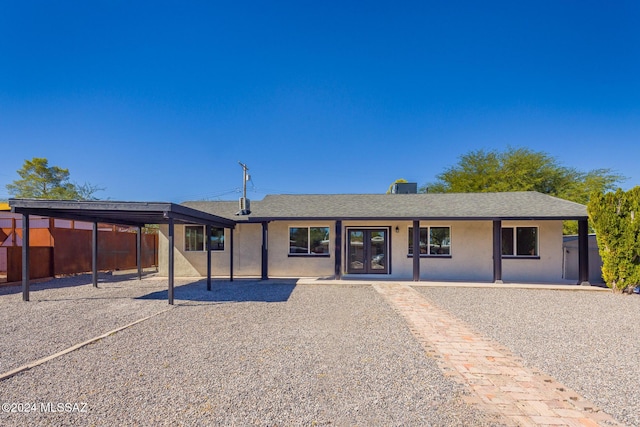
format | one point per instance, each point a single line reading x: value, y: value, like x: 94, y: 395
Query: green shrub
x: 616, y: 220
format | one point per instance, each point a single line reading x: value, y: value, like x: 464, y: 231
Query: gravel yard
x: 68, y: 311
x: 247, y: 353
x: 590, y: 341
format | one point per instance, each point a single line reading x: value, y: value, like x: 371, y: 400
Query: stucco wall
x: 183, y: 261
x: 548, y: 268
x: 283, y: 265
x: 247, y: 250
x: 247, y: 254
x: 471, y: 253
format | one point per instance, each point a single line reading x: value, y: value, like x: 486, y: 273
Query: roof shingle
x: 512, y: 205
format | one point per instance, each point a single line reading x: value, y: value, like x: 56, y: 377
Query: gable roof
x: 447, y: 206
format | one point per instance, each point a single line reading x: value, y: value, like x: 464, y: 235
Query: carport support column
x: 207, y: 242
x: 416, y: 251
x: 583, y: 252
x: 139, y: 252
x: 25, y: 257
x: 94, y: 254
x: 170, y: 273
x: 265, y: 251
x: 231, y: 254
x: 338, y: 250
x: 497, y: 251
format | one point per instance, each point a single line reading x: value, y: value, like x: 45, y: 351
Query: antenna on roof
x: 244, y: 202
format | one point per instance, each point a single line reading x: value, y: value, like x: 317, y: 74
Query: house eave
x: 255, y: 220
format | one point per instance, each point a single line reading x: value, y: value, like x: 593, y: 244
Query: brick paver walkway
x: 498, y: 380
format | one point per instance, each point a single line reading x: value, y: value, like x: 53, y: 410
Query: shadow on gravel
x: 236, y: 291
x: 69, y: 282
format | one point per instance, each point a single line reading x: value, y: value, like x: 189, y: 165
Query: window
x: 309, y: 240
x: 217, y: 239
x: 520, y: 241
x: 434, y: 241
x: 194, y: 238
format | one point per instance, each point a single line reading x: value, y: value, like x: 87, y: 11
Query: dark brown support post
x: 416, y: 251
x: 52, y: 224
x: 139, y: 252
x: 265, y: 251
x: 25, y: 257
x: 231, y: 254
x: 338, y: 250
x: 94, y: 254
x: 207, y: 242
x: 497, y: 251
x: 171, y: 269
x: 13, y: 232
x: 583, y: 252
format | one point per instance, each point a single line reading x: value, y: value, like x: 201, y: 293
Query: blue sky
x: 160, y: 100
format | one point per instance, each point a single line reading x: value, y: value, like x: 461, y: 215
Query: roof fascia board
x: 124, y: 213
x: 410, y: 218
x: 201, y: 218
x: 89, y: 205
x: 75, y: 217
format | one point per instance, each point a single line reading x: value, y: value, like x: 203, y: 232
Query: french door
x: 368, y: 251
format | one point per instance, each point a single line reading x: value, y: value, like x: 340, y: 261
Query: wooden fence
x: 59, y: 247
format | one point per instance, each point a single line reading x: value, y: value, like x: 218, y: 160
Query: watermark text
x: 44, y: 407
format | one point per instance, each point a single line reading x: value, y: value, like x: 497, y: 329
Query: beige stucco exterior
x: 471, y: 253
x: 548, y: 268
x: 282, y: 265
x: 247, y: 254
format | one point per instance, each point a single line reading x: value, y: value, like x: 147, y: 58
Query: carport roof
x: 123, y: 213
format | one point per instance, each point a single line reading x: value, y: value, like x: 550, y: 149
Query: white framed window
x: 434, y: 241
x: 194, y: 238
x: 520, y: 241
x: 308, y: 240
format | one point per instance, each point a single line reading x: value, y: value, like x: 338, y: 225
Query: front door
x: 368, y: 251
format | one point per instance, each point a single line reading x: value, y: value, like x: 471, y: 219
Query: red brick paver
x: 499, y: 382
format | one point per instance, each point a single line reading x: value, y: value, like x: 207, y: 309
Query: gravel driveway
x: 247, y: 353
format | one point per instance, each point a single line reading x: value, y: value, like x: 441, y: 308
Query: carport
x: 133, y: 214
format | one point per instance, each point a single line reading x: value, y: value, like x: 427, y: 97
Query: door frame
x: 387, y: 230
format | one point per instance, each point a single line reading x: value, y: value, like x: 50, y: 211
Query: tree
x: 522, y: 169
x: 616, y: 219
x: 41, y: 181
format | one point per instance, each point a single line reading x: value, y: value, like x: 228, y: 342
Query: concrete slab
x: 369, y: 281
